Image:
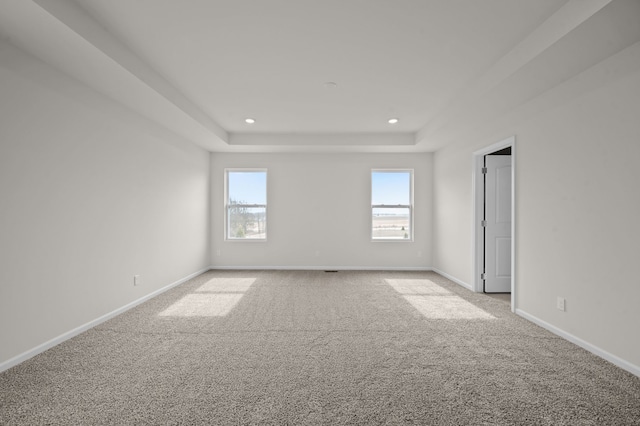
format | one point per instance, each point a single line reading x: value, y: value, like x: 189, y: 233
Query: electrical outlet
x: 419, y: 253
x: 218, y: 252
x: 317, y: 253
x: 560, y: 304
x: 137, y: 280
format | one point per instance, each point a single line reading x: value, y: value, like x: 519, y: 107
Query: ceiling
x: 201, y: 67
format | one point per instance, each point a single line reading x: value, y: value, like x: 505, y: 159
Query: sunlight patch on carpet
x: 227, y: 285
x: 203, y: 305
x: 446, y: 307
x: 416, y: 286
x: 215, y: 298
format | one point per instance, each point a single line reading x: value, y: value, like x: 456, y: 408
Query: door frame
x: 478, y: 210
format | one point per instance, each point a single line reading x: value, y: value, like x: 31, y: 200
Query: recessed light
x: 249, y: 120
x: 393, y: 121
x: 330, y: 85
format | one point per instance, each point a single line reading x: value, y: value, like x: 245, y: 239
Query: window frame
x: 410, y: 206
x: 227, y: 206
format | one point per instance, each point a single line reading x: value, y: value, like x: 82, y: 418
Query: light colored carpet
x: 301, y: 347
x: 505, y: 297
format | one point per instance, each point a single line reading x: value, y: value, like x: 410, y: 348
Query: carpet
x: 311, y: 348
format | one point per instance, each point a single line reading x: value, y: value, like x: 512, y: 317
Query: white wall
x: 577, y: 205
x: 90, y: 194
x: 321, y: 203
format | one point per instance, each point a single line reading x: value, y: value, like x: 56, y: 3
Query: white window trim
x: 226, y: 204
x: 409, y: 206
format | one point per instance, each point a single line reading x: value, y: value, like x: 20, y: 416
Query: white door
x: 497, y: 242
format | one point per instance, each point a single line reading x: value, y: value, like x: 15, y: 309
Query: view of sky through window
x: 391, y: 188
x: 248, y: 187
x: 246, y: 216
x: 391, y: 205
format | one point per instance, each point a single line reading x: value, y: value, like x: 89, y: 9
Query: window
x: 392, y: 205
x: 246, y: 204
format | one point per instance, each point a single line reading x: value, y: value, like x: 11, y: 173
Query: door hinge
x: 484, y: 170
x: 483, y: 223
x: 483, y: 276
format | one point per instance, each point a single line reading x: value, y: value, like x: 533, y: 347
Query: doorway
x: 494, y: 219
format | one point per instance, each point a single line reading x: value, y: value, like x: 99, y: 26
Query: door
x: 497, y: 229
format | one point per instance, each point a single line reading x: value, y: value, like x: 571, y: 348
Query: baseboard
x: 625, y: 365
x: 454, y: 279
x: 72, y: 333
x: 324, y: 268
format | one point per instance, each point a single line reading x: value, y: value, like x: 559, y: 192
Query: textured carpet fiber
x: 300, y: 347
